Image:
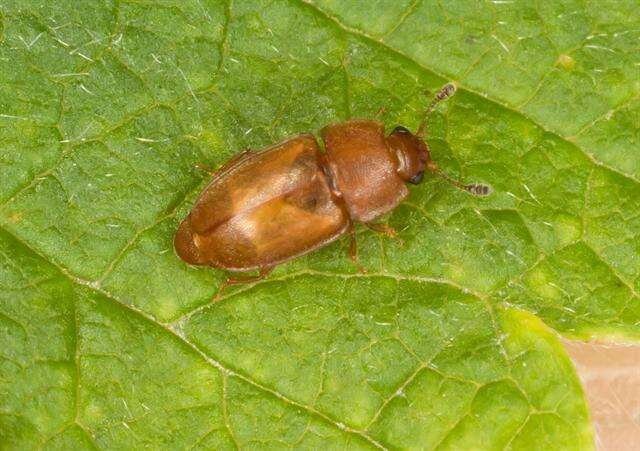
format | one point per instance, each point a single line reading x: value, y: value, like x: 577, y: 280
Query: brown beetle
x: 264, y: 208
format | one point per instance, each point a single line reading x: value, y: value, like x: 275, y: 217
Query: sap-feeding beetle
x: 266, y: 207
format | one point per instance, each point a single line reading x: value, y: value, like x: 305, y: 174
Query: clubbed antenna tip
x: 445, y: 92
x: 477, y: 189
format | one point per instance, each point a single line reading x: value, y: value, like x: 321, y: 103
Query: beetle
x: 266, y: 207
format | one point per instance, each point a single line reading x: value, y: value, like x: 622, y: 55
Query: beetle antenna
x: 477, y: 189
x: 447, y: 91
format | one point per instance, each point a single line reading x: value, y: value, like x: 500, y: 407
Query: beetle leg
x: 204, y: 167
x: 234, y: 160
x: 380, y: 112
x: 227, y: 165
x: 384, y: 229
x: 353, y: 250
x: 264, y: 272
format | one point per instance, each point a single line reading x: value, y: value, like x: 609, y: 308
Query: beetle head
x: 412, y: 154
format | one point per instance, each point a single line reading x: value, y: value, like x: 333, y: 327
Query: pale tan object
x: 610, y: 374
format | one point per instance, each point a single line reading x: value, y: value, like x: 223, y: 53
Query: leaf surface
x: 448, y: 341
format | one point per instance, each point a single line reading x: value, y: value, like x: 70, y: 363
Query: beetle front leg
x: 264, y: 272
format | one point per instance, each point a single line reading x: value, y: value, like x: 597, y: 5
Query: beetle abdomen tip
x: 184, y: 244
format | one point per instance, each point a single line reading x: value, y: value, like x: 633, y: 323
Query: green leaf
x: 450, y: 340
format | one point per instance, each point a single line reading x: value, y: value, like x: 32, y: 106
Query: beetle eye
x: 417, y: 178
x: 401, y: 129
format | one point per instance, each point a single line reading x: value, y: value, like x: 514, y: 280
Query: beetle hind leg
x: 353, y: 250
x: 264, y: 272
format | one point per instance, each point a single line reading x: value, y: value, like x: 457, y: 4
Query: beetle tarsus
x: 204, y: 167
x: 384, y: 229
x: 264, y: 272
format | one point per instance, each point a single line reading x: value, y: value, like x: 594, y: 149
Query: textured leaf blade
x: 117, y: 341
